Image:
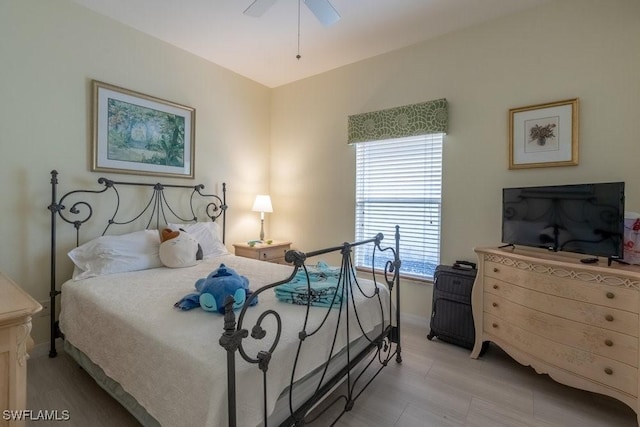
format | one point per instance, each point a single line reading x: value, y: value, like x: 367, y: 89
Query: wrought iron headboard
x: 156, y: 209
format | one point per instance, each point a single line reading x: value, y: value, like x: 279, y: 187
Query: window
x: 399, y: 182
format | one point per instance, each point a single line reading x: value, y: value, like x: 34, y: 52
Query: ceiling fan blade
x: 258, y: 8
x: 324, y: 11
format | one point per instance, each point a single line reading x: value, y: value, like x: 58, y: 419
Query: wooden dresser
x: 271, y: 252
x: 16, y: 309
x: 576, y: 322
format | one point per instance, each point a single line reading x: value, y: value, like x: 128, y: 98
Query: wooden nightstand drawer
x: 273, y: 252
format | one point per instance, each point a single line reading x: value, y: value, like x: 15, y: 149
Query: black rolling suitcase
x: 451, y: 315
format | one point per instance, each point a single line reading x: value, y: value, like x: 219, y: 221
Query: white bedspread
x: 170, y: 360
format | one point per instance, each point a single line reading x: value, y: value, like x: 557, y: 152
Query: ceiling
x: 264, y: 49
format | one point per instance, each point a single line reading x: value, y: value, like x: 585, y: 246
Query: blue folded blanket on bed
x: 323, y: 289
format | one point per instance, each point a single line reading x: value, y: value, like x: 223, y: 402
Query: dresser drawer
x: 574, y: 284
x: 583, y: 312
x: 604, y: 342
x: 587, y: 365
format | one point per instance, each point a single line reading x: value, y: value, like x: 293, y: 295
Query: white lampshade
x: 262, y: 204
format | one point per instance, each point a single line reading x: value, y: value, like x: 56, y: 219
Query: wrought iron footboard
x: 380, y: 348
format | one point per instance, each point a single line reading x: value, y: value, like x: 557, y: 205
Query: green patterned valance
x: 409, y: 120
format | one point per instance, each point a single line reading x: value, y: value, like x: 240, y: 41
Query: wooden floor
x: 436, y: 385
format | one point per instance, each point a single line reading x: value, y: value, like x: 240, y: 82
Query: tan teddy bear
x: 179, y: 249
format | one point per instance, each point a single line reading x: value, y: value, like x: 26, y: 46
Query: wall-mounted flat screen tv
x: 582, y: 218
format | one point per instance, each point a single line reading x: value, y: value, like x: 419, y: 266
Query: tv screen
x: 583, y: 218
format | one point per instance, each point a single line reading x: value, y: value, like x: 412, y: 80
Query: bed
x: 264, y: 364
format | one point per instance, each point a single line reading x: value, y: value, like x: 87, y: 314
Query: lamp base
x: 262, y: 229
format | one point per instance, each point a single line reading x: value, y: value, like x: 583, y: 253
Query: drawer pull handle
x: 610, y: 295
x: 608, y: 343
x: 495, y: 269
x: 495, y: 325
x: 495, y: 304
x: 608, y: 371
x: 495, y: 286
x: 609, y: 318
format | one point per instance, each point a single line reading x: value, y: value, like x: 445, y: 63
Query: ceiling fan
x: 322, y: 9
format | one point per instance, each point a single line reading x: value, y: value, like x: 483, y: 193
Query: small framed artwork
x: 140, y: 134
x: 544, y: 135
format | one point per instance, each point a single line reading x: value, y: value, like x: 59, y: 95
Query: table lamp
x: 262, y: 204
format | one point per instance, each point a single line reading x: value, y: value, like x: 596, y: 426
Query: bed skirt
x: 112, y: 387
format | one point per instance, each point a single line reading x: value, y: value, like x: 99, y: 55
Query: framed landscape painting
x: 140, y: 134
x: 544, y: 135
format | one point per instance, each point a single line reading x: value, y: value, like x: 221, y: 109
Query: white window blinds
x: 399, y: 182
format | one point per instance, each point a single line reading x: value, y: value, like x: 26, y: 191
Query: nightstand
x: 16, y: 309
x: 273, y: 252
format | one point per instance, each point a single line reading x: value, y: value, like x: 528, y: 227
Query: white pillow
x: 117, y: 254
x: 207, y: 234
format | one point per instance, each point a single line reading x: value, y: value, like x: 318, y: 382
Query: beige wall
x: 49, y: 52
x: 589, y: 49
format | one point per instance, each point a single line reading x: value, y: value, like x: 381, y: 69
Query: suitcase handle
x: 464, y: 265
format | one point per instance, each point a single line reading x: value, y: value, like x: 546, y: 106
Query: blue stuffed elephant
x: 214, y: 289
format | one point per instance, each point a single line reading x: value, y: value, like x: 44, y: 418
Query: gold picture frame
x: 140, y: 134
x: 544, y: 135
